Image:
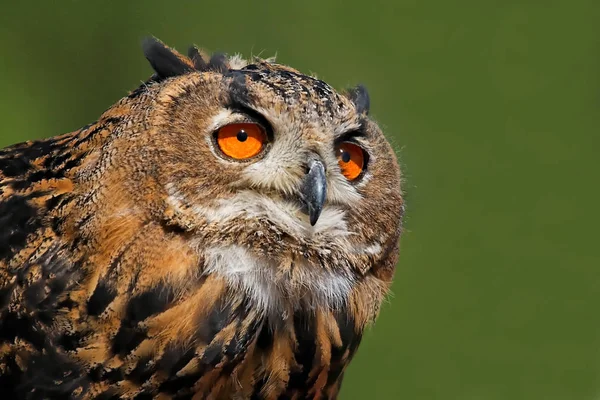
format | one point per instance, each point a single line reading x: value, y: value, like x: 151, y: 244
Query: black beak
x: 314, y: 190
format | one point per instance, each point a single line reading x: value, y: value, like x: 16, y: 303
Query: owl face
x: 276, y: 176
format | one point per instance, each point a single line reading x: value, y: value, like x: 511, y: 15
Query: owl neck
x: 278, y: 287
x: 237, y: 346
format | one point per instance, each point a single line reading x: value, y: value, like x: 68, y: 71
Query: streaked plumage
x: 138, y: 262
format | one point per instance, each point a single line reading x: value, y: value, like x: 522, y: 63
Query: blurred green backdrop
x: 494, y: 108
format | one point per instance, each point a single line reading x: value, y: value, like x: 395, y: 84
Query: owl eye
x: 241, y: 141
x: 351, y: 158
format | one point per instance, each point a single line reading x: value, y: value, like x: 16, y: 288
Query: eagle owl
x: 226, y: 231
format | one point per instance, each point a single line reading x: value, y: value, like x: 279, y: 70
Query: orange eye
x: 241, y: 141
x: 351, y: 158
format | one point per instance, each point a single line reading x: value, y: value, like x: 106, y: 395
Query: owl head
x: 282, y: 185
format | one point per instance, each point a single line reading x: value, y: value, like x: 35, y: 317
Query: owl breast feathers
x: 227, y: 230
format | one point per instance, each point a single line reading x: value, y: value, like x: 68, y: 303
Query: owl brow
x: 360, y: 131
x: 240, y: 108
x: 240, y: 100
x: 350, y: 135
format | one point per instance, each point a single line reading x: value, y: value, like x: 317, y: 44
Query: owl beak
x: 314, y: 190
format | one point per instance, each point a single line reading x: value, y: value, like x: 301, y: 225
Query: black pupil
x: 345, y: 156
x: 242, y: 136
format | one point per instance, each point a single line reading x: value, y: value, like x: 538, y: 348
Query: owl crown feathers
x: 168, y: 62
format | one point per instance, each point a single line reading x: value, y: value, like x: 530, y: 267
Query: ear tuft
x: 197, y: 59
x: 360, y: 97
x: 218, y: 63
x: 165, y: 61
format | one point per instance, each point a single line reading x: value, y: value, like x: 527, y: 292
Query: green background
x: 494, y: 109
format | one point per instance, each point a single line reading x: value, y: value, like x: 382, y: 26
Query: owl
x: 226, y: 231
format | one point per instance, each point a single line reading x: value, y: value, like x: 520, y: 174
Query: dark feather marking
x: 54, y: 201
x: 19, y: 185
x: 11, y: 167
x: 321, y: 88
x: 143, y: 370
x: 249, y: 71
x: 45, y: 317
x: 74, y: 162
x: 34, y: 294
x: 127, y: 339
x: 13, y: 326
x: 95, y: 373
x: 360, y: 97
x: 52, y: 375
x: 212, y: 353
x: 164, y: 60
x: 238, y: 91
x: 5, y: 295
x: 17, y: 159
x: 252, y: 67
x: 258, y: 387
x: 350, y: 338
x: 113, y: 375
x: 350, y: 341
x: 55, y: 162
x: 10, y: 376
x: 233, y: 347
x: 103, y: 295
x: 239, y: 343
x: 72, y: 340
x: 21, y: 273
x: 45, y: 174
x: 218, y: 63
x: 305, y: 352
x: 143, y: 396
x: 336, y: 370
x: 183, y: 396
x: 153, y: 301
x: 199, y: 62
x: 265, y: 337
x: 109, y: 394
x: 68, y: 303
x: 56, y: 286
x: 58, y: 276
x: 175, y: 357
x: 179, y: 384
x: 219, y: 318
x: 57, y: 222
x: 18, y: 219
